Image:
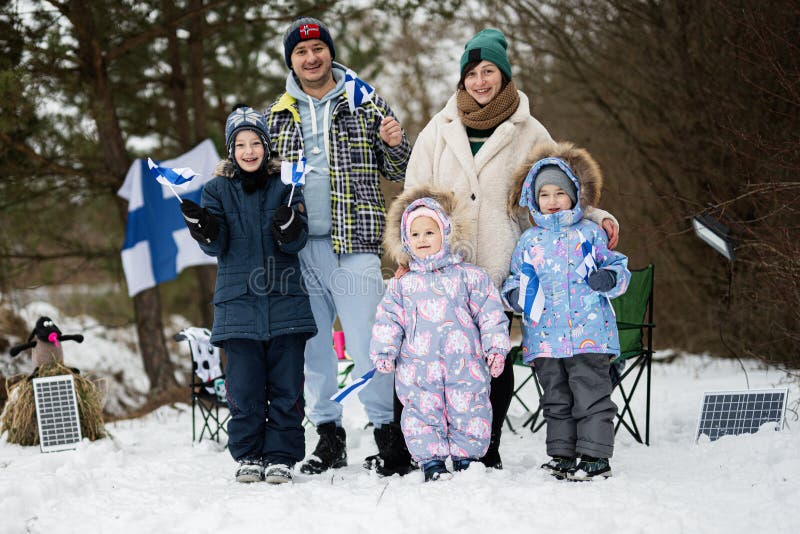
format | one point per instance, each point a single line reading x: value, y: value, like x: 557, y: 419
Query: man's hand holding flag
x: 359, y: 93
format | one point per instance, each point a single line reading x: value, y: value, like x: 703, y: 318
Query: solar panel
x: 56, y: 413
x: 740, y: 412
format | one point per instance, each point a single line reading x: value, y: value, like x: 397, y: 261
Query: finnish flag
x: 157, y: 242
x: 357, y: 385
x: 358, y: 91
x: 531, y: 295
x: 588, y: 265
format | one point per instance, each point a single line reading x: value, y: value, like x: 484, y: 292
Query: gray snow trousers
x: 577, y: 405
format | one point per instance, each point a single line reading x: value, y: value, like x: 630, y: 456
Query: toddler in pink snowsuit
x: 441, y: 328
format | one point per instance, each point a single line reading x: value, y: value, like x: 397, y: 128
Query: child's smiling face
x: 553, y: 199
x: 424, y: 237
x: 248, y: 150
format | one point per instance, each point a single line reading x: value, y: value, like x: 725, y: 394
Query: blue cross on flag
x: 157, y: 242
x: 357, y: 385
x: 177, y: 177
x: 294, y: 174
x: 588, y: 265
x: 531, y: 296
x: 358, y: 91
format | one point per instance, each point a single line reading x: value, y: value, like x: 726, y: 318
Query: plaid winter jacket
x: 358, y: 156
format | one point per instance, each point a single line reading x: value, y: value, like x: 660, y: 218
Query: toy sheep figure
x: 45, y: 340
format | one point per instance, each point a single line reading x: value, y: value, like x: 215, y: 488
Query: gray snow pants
x: 577, y: 405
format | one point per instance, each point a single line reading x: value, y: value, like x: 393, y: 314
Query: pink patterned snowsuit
x: 437, y: 324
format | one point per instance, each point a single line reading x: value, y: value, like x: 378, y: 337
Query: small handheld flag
x: 357, y: 384
x: 172, y: 178
x: 358, y: 92
x: 588, y: 265
x: 294, y: 173
x: 531, y: 296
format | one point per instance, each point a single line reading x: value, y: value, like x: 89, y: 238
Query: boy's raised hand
x: 202, y: 225
x: 497, y: 362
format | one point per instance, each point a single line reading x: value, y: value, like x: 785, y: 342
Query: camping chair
x: 634, y: 311
x: 208, y: 384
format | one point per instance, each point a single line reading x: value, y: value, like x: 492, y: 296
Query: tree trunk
x: 157, y: 365
x: 94, y: 75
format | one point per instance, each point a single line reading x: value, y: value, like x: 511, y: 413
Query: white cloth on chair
x: 205, y: 356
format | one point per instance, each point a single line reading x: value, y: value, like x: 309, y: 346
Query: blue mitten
x: 513, y: 299
x: 602, y: 280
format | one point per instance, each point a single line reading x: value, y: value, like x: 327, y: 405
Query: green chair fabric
x: 634, y: 312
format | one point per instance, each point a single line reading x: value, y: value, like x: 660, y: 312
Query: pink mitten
x: 384, y: 366
x: 497, y: 363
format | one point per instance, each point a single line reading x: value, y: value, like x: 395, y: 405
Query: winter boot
x: 331, y: 450
x: 559, y: 465
x: 393, y: 456
x: 278, y: 474
x: 461, y: 464
x: 250, y: 470
x: 492, y: 456
x: 590, y: 468
x: 435, y: 470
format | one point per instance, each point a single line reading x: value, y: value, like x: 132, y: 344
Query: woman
x: 472, y: 147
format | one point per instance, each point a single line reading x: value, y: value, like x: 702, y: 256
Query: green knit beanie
x: 491, y: 45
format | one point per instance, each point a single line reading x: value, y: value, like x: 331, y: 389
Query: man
x: 347, y: 152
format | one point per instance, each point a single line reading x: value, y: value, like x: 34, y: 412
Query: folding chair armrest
x: 209, y: 383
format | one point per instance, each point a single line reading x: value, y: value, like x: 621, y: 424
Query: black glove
x: 602, y: 280
x: 202, y: 225
x: 286, y: 225
x: 513, y: 299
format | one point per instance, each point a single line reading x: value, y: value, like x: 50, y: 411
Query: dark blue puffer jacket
x: 259, y: 293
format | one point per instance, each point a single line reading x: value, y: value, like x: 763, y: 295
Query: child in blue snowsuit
x: 262, y: 314
x: 569, y: 332
x: 442, y: 327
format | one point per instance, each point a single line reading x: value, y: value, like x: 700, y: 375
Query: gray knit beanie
x: 553, y: 175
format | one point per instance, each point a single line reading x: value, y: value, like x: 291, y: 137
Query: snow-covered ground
x: 150, y: 477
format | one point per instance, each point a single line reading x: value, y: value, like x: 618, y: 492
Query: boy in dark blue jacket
x: 262, y: 315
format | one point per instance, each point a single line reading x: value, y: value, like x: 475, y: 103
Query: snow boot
x: 590, y: 468
x: 393, y: 456
x: 249, y: 470
x: 278, y: 474
x: 559, y: 465
x: 492, y: 457
x: 435, y: 470
x: 461, y: 464
x: 331, y: 450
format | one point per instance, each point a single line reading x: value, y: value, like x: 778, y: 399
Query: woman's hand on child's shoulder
x: 612, y: 230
